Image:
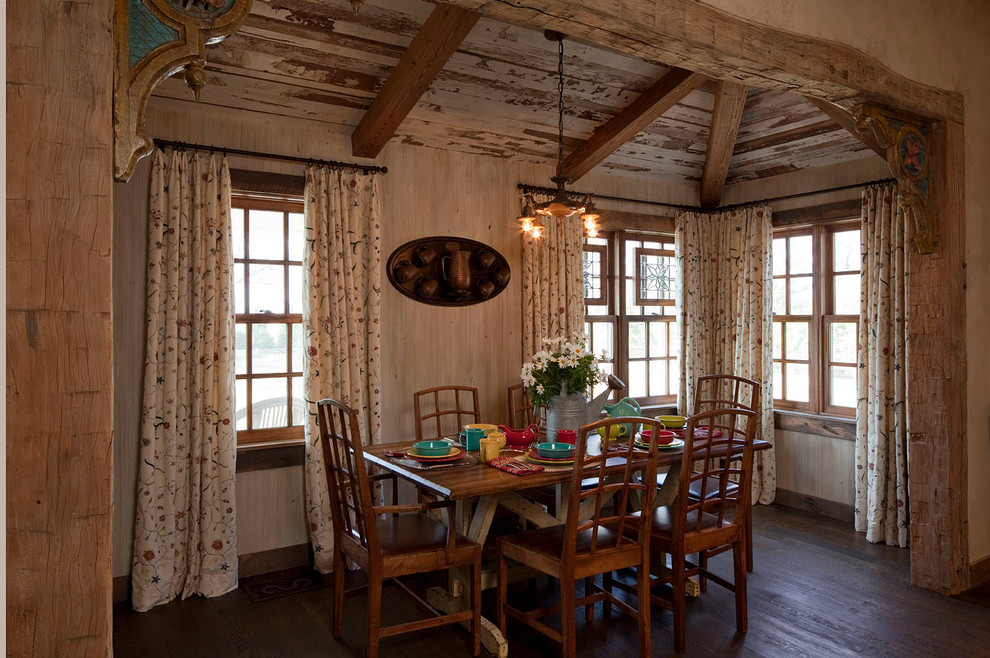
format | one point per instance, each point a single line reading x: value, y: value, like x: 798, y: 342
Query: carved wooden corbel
x: 906, y: 142
x: 152, y: 40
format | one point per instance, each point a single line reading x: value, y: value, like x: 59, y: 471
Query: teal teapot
x: 625, y: 407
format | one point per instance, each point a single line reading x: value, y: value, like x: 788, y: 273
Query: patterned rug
x: 277, y: 584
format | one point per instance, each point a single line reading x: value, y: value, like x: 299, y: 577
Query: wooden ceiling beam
x: 846, y: 120
x: 726, y: 115
x: 651, y: 104
x: 433, y: 45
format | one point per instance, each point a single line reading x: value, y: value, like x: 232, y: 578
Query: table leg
x: 475, y: 524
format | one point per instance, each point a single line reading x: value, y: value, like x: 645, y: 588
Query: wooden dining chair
x: 521, y: 410
x: 444, y: 410
x: 727, y: 392
x: 581, y: 549
x: 716, y: 519
x: 386, y: 541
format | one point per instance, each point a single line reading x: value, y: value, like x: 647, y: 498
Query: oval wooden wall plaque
x: 447, y: 271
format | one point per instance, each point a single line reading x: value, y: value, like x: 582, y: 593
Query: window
x: 631, y: 317
x: 267, y: 237
x: 816, y: 318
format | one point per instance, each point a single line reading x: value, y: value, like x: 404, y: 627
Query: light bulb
x: 537, y: 232
x: 592, y: 231
x: 527, y: 224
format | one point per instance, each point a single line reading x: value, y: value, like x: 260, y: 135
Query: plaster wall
x: 942, y: 43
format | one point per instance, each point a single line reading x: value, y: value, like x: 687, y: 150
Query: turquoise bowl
x: 555, y: 450
x: 432, y: 448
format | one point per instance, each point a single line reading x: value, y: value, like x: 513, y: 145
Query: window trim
x: 819, y: 393
x: 252, y: 438
x: 604, y: 300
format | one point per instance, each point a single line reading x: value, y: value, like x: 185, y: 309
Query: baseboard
x: 979, y: 572
x: 250, y: 564
x: 122, y: 588
x: 277, y: 559
x: 804, y: 502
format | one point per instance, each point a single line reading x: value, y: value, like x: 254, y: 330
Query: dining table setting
x: 487, y: 466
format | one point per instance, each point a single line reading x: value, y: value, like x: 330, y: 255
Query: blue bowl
x: 432, y: 448
x: 555, y: 450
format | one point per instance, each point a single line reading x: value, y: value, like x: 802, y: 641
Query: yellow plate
x: 483, y: 426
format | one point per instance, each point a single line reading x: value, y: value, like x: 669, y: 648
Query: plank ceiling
x: 496, y: 95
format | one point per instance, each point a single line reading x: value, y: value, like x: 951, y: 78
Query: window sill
x: 268, y: 455
x: 834, y: 427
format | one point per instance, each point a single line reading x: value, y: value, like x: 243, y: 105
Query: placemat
x: 464, y: 462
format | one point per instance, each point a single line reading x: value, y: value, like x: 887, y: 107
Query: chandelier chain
x: 560, y: 100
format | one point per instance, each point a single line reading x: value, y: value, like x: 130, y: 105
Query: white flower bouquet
x: 561, y: 368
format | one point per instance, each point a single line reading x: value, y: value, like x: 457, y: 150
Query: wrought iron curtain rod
x: 549, y: 190
x: 371, y: 169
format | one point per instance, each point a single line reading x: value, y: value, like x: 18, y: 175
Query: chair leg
x: 679, y: 578
x: 607, y: 586
x: 568, y: 617
x: 374, y: 612
x: 643, y: 591
x: 749, y: 540
x: 503, y: 578
x: 703, y: 564
x: 476, y: 606
x: 739, y: 584
x: 338, y: 594
x: 589, y: 610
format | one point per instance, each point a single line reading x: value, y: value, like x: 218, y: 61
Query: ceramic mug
x: 499, y: 437
x: 470, y: 438
x: 489, y: 449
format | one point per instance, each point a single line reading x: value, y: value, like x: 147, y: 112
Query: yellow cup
x: 498, y: 436
x: 489, y: 449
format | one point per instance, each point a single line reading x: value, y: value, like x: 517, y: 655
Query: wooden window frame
x: 602, y: 249
x: 649, y: 251
x: 819, y: 362
x: 292, y: 433
x: 620, y: 322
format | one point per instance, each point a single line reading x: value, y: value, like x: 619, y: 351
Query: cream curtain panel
x: 881, y: 413
x: 552, y: 283
x: 342, y: 321
x: 185, y: 539
x: 725, y: 304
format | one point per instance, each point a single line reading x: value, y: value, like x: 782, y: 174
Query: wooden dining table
x: 478, y: 490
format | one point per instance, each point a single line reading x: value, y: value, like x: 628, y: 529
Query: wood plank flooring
x: 819, y: 589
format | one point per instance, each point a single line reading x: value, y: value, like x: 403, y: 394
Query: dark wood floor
x: 819, y: 589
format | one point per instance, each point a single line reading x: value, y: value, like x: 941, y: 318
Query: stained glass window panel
x: 593, y: 274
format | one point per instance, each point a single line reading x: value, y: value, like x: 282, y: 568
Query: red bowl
x: 663, y: 437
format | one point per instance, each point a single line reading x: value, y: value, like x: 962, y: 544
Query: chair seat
x: 711, y: 489
x: 543, y: 548
x: 414, y: 533
x: 663, y: 521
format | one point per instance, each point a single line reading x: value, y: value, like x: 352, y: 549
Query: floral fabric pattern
x: 185, y: 539
x: 725, y: 303
x: 342, y: 321
x: 552, y: 283
x: 881, y: 509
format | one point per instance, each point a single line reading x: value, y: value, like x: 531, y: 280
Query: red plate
x: 455, y: 453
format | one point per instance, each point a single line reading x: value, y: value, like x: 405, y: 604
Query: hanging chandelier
x: 564, y: 204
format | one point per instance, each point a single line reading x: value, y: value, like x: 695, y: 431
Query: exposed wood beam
x: 652, y: 103
x: 436, y: 41
x: 846, y: 120
x: 729, y: 102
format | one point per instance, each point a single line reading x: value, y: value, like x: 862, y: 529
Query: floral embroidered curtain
x: 552, y: 283
x: 185, y: 538
x: 725, y: 302
x: 342, y: 321
x: 881, y: 509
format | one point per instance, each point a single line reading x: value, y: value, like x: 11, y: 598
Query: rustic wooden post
x: 927, y: 160
x: 59, y: 335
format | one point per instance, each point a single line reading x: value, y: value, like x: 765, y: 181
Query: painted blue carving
x: 145, y: 32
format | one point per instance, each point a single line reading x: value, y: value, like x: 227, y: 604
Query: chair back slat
x: 521, y: 410
x: 631, y: 471
x: 708, y: 438
x: 443, y: 410
x: 725, y: 392
x: 347, y: 477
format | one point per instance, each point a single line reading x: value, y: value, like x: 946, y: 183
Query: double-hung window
x: 816, y: 274
x: 629, y: 299
x: 267, y: 241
